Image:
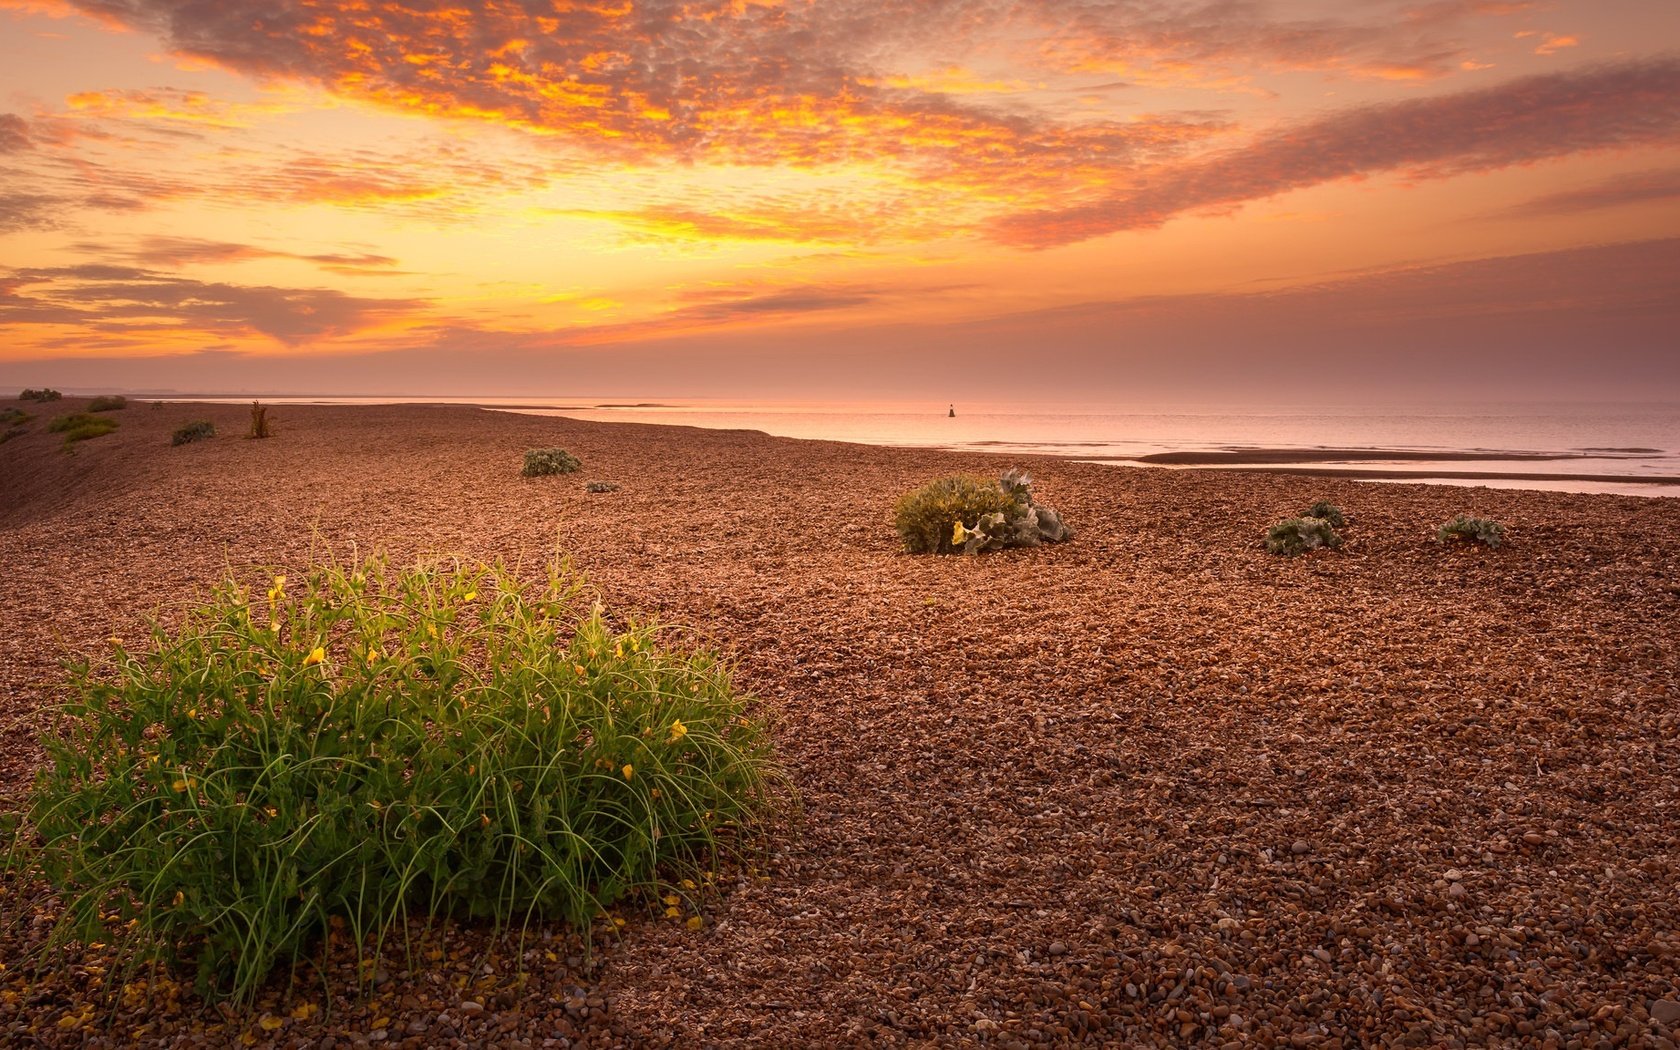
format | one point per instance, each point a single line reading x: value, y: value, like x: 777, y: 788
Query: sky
x: 827, y: 198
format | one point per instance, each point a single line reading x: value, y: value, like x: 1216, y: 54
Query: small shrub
x: 602, y: 486
x: 259, y: 421
x: 935, y: 518
x: 1485, y: 531
x: 1293, y: 536
x: 108, y: 403
x: 543, y: 461
x: 46, y: 394
x: 199, y: 431
x: 81, y: 426
x: 1328, y: 511
x: 440, y: 739
x: 14, y: 416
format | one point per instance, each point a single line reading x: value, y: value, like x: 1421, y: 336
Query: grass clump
x: 198, y: 431
x: 81, y: 426
x: 370, y: 742
x: 602, y: 486
x: 259, y: 421
x: 108, y: 403
x: 1327, y: 511
x: 14, y: 416
x: 1293, y: 536
x: 935, y: 518
x: 44, y: 394
x: 540, y: 462
x: 1465, y: 528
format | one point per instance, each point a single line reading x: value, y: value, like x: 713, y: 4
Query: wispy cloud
x: 176, y: 252
x: 1620, y: 191
x: 1518, y: 122
x: 123, y: 299
x: 14, y: 133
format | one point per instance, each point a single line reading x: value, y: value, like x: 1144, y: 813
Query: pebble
x: 1665, y: 1011
x: 471, y: 1007
x: 1058, y: 948
x: 1300, y: 847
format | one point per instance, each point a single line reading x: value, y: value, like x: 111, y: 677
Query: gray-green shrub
x: 197, y: 431
x: 1328, y: 511
x: 1485, y: 531
x: 544, y: 461
x: 108, y: 403
x: 1293, y: 536
x: 968, y: 513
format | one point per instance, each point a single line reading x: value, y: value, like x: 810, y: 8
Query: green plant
x: 935, y: 518
x: 108, y: 403
x: 198, y: 431
x: 259, y: 421
x: 1328, y: 511
x: 376, y: 742
x: 45, y: 394
x: 14, y: 416
x: 602, y: 486
x: 543, y: 461
x: 80, y: 426
x: 1485, y: 531
x: 1293, y: 536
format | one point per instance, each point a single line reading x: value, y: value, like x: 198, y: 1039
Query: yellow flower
x: 182, y: 784
x: 673, y: 912
x: 114, y: 640
x: 618, y: 650
x: 580, y: 669
x: 180, y: 898
x: 672, y: 899
x: 373, y: 657
x: 958, y: 533
x: 655, y: 794
x: 678, y: 731
x: 695, y: 922
x: 471, y: 596
x: 271, y: 811
x: 268, y: 1022
x: 316, y: 655
x: 628, y: 771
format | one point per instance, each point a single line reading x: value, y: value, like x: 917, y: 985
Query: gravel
x: 1152, y: 787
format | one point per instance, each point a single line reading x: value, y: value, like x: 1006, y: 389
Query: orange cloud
x: 1517, y: 122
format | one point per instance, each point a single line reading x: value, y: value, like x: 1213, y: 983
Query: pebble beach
x: 1151, y: 787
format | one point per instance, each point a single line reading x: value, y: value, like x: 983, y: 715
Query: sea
x: 1632, y: 449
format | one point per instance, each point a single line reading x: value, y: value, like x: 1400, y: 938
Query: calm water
x: 1625, y: 443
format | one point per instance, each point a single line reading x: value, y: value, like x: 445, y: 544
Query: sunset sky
x: 841, y: 197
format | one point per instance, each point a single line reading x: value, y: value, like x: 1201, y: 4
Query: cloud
x: 175, y: 252
x: 1227, y: 43
x: 1517, y: 122
x: 170, y: 105
x: 1632, y: 188
x: 27, y: 211
x: 124, y: 300
x: 14, y: 133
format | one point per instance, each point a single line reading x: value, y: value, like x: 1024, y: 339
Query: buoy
x: 953, y: 412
